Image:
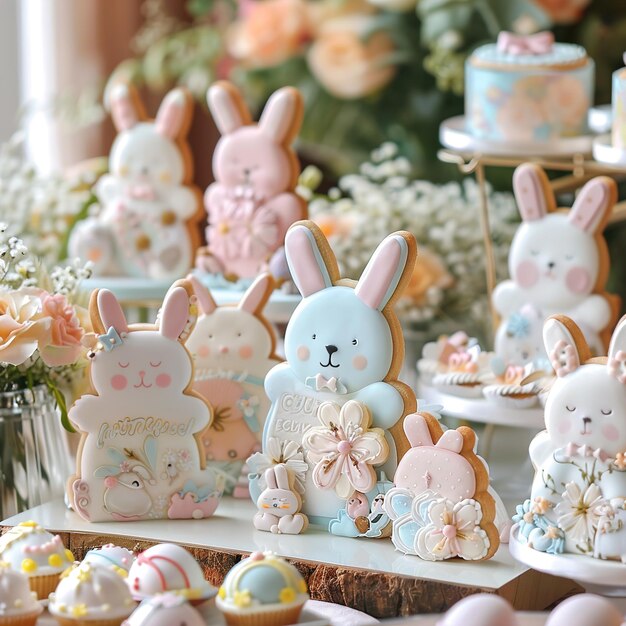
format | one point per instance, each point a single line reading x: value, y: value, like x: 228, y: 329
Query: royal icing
x: 341, y: 344
x: 140, y: 455
x: 164, y: 610
x: 252, y: 203
x: 558, y: 260
x: 233, y: 348
x: 17, y: 601
x: 147, y: 226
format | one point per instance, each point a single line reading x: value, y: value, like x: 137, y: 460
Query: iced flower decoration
x: 279, y: 452
x: 546, y: 537
x: 617, y: 366
x: 344, y: 448
x: 462, y: 362
x: 620, y: 461
x: 453, y: 531
x: 525, y: 518
x: 563, y: 358
x: 249, y: 406
x: 579, y: 512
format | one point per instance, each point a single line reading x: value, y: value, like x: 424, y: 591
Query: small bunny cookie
x: 252, y: 203
x: 233, y: 348
x: 343, y: 342
x: 140, y: 456
x: 279, y: 504
x: 559, y: 260
x: 150, y: 210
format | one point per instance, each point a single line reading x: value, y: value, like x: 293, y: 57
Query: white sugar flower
x: 277, y: 452
x: 579, y: 512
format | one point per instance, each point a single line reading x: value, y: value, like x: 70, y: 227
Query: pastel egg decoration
x: 140, y: 455
x: 233, y: 348
x: 252, y: 202
x: 147, y: 226
x: 31, y: 549
x: 558, y: 261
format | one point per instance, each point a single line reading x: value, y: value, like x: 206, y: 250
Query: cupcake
x: 436, y: 355
x: 91, y: 595
x: 165, y: 609
x: 168, y: 567
x: 18, y: 604
x: 463, y: 376
x: 504, y: 385
x: 262, y: 590
x: 31, y: 549
x: 113, y: 556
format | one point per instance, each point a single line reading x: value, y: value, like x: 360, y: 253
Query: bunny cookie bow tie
x: 319, y: 382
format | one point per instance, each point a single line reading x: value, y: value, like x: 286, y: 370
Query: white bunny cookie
x: 558, y: 261
x: 233, y: 348
x: 150, y: 210
x: 343, y: 342
x: 139, y: 455
x: 252, y: 203
x: 279, y: 504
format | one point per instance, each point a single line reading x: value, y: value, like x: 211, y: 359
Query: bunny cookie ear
x: 174, y: 315
x: 106, y: 312
x: 227, y: 107
x: 257, y: 294
x: 451, y: 440
x: 270, y: 478
x: 173, y: 117
x: 205, y: 300
x: 565, y: 344
x: 125, y: 106
x: 616, y: 363
x: 532, y: 192
x: 389, y: 268
x: 417, y: 431
x: 282, y: 115
x: 593, y: 204
x: 312, y: 264
x: 282, y: 477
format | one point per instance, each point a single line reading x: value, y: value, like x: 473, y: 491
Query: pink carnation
x: 65, y: 332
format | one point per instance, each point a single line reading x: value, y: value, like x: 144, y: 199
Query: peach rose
x: 429, y: 272
x: 348, y: 60
x: 333, y: 225
x: 21, y: 326
x: 269, y: 32
x: 322, y: 11
x: 563, y: 11
x: 62, y: 345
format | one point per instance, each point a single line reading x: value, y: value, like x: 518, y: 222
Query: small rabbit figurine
x: 233, y: 348
x: 252, y: 203
x: 343, y: 342
x: 279, y: 504
x: 559, y: 260
x: 140, y: 456
x: 150, y: 210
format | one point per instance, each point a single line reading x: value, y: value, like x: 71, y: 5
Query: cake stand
x: 605, y: 152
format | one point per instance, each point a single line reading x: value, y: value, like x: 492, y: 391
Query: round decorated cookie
x: 18, y: 604
x: 30, y: 548
x: 113, y: 556
x: 91, y: 594
x: 168, y: 567
x: 262, y: 589
x: 167, y: 609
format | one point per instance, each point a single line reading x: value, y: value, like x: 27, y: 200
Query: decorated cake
x: 92, y: 595
x: 166, y: 609
x: 113, y: 556
x: 262, y: 590
x: 526, y: 89
x: 18, y: 604
x: 31, y: 549
x: 168, y: 567
x: 578, y: 498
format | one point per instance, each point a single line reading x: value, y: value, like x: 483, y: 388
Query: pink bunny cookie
x: 252, y: 203
x: 233, y: 348
x: 559, y: 260
x: 140, y: 455
x: 148, y: 225
x: 279, y: 504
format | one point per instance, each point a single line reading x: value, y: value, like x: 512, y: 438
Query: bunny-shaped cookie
x: 140, y: 456
x: 343, y: 342
x: 233, y: 348
x: 579, y: 458
x: 150, y: 211
x: 279, y: 504
x: 252, y: 203
x: 559, y: 260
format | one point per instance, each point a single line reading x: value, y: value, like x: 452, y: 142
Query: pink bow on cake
x: 539, y: 43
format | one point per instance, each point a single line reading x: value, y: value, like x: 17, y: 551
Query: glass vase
x: 35, y: 458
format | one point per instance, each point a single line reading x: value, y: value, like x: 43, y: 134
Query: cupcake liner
x: 43, y: 586
x: 27, y: 619
x: 78, y: 621
x: 275, y: 617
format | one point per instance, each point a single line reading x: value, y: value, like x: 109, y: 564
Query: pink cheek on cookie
x: 578, y: 280
x: 610, y: 432
x: 303, y: 353
x: 527, y: 274
x: 163, y: 380
x: 564, y: 426
x: 119, y: 382
x: 203, y: 351
x: 246, y: 352
x: 359, y: 362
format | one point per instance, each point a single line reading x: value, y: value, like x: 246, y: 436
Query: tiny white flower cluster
x: 382, y: 198
x: 66, y: 279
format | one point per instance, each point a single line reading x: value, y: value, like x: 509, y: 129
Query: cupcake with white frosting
x: 18, y: 604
